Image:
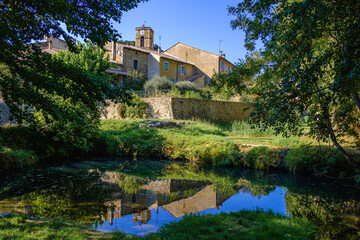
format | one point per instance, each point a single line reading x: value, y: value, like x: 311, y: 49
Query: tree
x: 311, y: 53
x: 63, y: 94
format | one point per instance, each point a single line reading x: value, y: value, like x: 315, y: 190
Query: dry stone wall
x: 196, y: 109
x: 173, y: 108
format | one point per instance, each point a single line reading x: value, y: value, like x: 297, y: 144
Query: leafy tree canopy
x: 311, y: 64
x: 63, y: 91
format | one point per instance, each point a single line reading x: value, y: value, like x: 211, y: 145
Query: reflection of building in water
x: 178, y: 197
x: 142, y: 217
x: 202, y: 200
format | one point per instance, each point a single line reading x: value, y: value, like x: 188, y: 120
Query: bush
x: 311, y: 160
x: 10, y: 159
x: 135, y: 80
x: 157, y: 84
x: 135, y: 108
x: 184, y: 86
x: 260, y: 158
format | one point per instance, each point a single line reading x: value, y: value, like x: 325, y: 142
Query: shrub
x: 306, y: 159
x: 135, y: 108
x: 260, y: 158
x: 184, y: 86
x: 135, y: 80
x: 20, y: 158
x: 157, y: 84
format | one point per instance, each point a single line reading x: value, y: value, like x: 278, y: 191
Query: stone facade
x: 206, y: 62
x: 159, y: 108
x: 197, y: 109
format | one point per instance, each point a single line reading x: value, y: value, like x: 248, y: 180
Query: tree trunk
x: 342, y: 150
x: 356, y: 99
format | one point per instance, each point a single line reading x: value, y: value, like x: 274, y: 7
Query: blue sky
x: 198, y: 23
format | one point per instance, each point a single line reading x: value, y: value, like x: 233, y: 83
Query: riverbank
x: 240, y: 225
x: 222, y: 145
x: 234, y: 144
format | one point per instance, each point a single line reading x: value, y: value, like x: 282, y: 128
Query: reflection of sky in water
x: 275, y: 202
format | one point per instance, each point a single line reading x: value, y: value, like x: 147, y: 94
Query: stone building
x: 52, y: 45
x: 206, y: 62
x: 178, y: 63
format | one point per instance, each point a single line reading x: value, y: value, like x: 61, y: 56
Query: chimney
x: 159, y: 49
x: 113, y: 46
x: 50, y: 44
x: 222, y: 54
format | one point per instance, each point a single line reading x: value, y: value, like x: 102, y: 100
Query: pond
x: 138, y: 197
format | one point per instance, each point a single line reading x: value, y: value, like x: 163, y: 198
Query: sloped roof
x: 200, y: 50
x: 162, y: 54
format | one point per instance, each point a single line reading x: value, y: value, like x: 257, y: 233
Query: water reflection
x: 138, y: 198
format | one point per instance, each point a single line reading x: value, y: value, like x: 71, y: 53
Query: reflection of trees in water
x: 80, y: 198
x: 335, y: 219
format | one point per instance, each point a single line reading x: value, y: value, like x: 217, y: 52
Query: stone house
x: 206, y: 62
x: 178, y: 63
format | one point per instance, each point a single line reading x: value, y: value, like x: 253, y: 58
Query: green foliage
x: 58, y: 96
x: 309, y: 65
x: 205, y: 143
x: 127, y: 42
x: 227, y: 85
x: 157, y: 84
x: 260, y: 158
x: 88, y: 57
x: 134, y: 108
x: 237, y: 225
x: 135, y: 80
x: 330, y: 216
x: 20, y: 158
x: 13, y: 226
x: 130, y: 184
x: 306, y: 159
x: 247, y: 129
x: 185, y: 86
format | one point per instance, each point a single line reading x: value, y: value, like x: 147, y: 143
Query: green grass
x: 13, y: 226
x: 237, y: 225
x: 216, y: 145
x: 243, y: 225
x: 20, y: 158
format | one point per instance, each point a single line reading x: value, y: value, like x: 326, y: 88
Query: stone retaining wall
x: 196, y: 109
x: 173, y: 108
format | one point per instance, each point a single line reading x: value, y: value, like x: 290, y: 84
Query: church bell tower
x: 144, y: 37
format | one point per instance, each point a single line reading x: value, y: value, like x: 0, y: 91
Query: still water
x: 139, y: 197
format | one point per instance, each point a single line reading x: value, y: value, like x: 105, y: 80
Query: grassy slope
x: 219, y: 144
x: 240, y: 225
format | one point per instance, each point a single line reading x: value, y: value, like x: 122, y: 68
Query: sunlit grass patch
x: 241, y: 225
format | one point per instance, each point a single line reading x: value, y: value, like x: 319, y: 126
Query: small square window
x: 183, y: 70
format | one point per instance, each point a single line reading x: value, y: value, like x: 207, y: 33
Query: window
x: 222, y: 65
x: 142, y: 42
x: 229, y: 69
x: 182, y: 70
x: 166, y: 66
x: 136, y: 64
